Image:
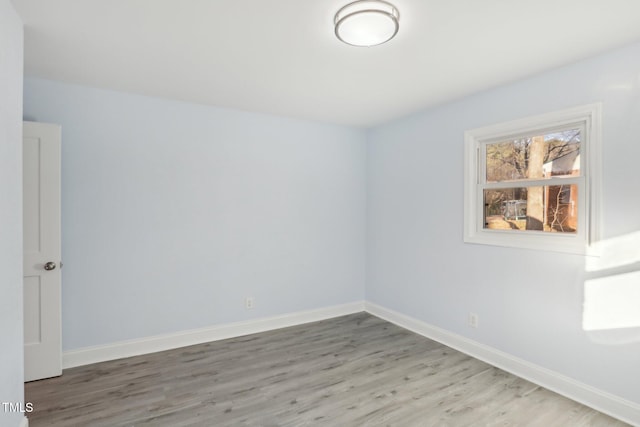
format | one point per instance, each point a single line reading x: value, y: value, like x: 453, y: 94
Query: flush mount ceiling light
x: 367, y: 22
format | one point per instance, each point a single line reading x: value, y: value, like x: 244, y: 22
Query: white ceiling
x: 281, y: 56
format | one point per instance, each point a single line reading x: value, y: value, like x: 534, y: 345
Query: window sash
x: 483, y: 143
x: 582, y: 224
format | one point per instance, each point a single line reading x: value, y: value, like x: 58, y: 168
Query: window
x: 534, y: 183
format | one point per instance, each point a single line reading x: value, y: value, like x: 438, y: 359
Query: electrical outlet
x: 473, y: 320
x: 248, y: 303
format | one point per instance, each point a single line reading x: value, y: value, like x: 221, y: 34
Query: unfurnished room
x: 319, y: 213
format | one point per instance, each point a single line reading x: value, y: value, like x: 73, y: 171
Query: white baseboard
x: 24, y: 422
x: 607, y: 403
x: 122, y: 349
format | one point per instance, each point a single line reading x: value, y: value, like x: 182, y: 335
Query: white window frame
x: 588, y: 118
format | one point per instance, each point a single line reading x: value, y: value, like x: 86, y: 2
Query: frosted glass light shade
x: 367, y: 22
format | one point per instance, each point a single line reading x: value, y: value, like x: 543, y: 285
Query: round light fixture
x: 367, y: 22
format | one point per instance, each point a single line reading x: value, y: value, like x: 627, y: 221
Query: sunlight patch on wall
x: 616, y: 252
x: 612, y: 302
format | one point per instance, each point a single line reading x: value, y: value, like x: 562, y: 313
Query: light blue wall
x: 529, y: 302
x: 11, y: 342
x: 173, y: 213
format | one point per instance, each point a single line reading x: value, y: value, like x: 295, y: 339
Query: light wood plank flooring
x: 355, y: 370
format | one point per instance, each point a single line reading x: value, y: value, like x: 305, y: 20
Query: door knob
x: 50, y: 266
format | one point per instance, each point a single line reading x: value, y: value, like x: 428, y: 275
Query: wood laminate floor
x: 355, y: 370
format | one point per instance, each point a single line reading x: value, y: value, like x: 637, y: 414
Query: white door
x: 42, y: 278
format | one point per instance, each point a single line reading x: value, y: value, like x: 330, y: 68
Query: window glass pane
x: 552, y: 208
x: 537, y: 157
